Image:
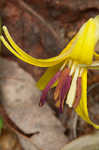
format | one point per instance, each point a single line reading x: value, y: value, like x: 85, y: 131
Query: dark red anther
x: 45, y: 91
x: 78, y: 93
x: 64, y: 91
x: 60, y: 83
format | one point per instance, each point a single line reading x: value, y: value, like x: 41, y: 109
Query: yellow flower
x: 67, y: 71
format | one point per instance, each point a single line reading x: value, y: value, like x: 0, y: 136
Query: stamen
x: 45, y: 91
x: 64, y: 90
x: 72, y: 69
x: 70, y: 63
x: 78, y: 90
x: 62, y: 67
x: 78, y: 93
x: 81, y: 71
x: 72, y: 92
x: 60, y: 83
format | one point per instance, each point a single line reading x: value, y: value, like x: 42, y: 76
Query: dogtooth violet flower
x: 67, y: 71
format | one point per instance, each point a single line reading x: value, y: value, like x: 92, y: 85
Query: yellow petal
x: 82, y: 107
x: 31, y: 60
x: 11, y: 49
x: 41, y: 84
x: 83, y: 49
x: 84, y: 41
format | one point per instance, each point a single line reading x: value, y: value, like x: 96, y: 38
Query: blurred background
x: 42, y: 28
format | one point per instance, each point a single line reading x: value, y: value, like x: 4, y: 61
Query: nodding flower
x: 67, y: 71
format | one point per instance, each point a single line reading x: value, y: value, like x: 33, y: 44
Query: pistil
x: 72, y: 92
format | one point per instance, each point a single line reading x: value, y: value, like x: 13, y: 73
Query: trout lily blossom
x: 67, y: 71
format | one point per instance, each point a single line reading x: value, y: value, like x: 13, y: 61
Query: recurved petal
x: 81, y: 109
x: 29, y: 59
x: 47, y: 76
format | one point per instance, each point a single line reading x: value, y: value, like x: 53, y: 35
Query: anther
x: 78, y: 93
x: 45, y: 91
x: 78, y: 90
x: 60, y: 82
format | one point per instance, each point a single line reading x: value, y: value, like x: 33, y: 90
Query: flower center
x: 69, y: 85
